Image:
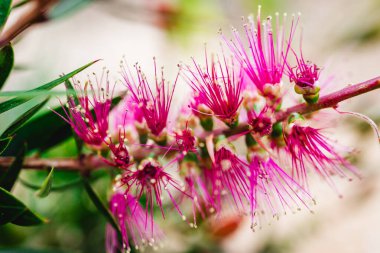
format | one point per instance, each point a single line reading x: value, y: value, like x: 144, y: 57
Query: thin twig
x: 85, y: 163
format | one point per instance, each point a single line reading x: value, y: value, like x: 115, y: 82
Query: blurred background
x: 342, y: 36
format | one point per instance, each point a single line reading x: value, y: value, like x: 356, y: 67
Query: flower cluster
x: 195, y: 160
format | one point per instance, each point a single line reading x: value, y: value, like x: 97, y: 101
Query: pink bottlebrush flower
x: 228, y: 175
x: 135, y: 225
x: 266, y: 62
x: 126, y: 114
x: 218, y: 87
x: 154, y: 106
x: 195, y: 186
x: 260, y: 123
x: 119, y: 151
x: 87, y: 112
x: 151, y: 179
x: 273, y: 190
x: 308, y: 148
x: 185, y: 140
x: 305, y: 74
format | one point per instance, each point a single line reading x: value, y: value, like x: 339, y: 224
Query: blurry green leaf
x: 13, y: 210
x: 46, y: 185
x: 22, y: 120
x: 9, y: 104
x: 44, y: 131
x: 5, y: 8
x: 65, y: 7
x: 6, y: 63
x: 99, y: 205
x: 28, y: 218
x: 9, y: 178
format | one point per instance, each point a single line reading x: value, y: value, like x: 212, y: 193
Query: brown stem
x: 332, y: 99
x: 327, y: 101
x: 32, y: 15
x: 86, y: 163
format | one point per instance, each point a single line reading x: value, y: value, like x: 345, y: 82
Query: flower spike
x: 228, y: 176
x: 271, y: 188
x: 267, y: 60
x: 308, y: 148
x: 134, y: 224
x: 151, y: 179
x: 88, y: 110
x: 305, y: 76
x: 218, y: 87
x: 154, y: 106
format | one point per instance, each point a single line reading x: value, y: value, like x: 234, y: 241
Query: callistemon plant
x: 234, y: 145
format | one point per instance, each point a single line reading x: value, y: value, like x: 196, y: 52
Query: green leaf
x: 46, y: 185
x: 14, y: 211
x: 9, y: 178
x: 22, y: 120
x: 6, y: 63
x: 12, y: 103
x: 99, y: 205
x: 5, y: 8
x: 28, y: 218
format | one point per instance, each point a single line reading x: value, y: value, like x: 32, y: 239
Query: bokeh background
x: 342, y: 36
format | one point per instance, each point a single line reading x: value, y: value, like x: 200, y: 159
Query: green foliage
x: 28, y: 95
x: 5, y: 8
x: 14, y: 211
x: 6, y: 63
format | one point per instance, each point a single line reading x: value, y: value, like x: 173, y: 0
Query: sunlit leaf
x: 9, y: 178
x: 46, y: 185
x: 6, y: 63
x: 12, y: 103
x: 14, y: 211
